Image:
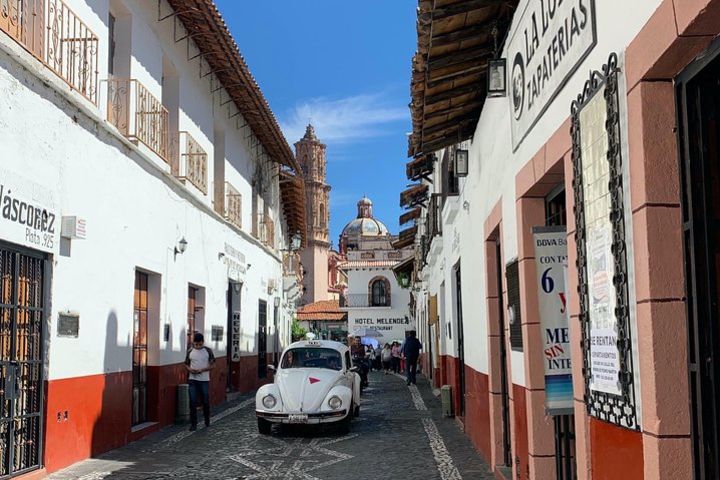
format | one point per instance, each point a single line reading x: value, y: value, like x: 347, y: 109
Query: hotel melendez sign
x: 28, y: 213
x: 549, y: 42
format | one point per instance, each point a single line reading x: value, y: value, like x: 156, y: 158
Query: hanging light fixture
x: 496, y: 78
x: 461, y: 163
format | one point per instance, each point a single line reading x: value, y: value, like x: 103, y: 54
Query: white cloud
x: 343, y: 120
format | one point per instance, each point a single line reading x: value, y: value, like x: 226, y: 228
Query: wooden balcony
x: 193, y: 161
x: 233, y: 205
x: 56, y: 36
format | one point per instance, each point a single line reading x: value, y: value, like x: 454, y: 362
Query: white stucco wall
x: 493, y: 168
x: 135, y: 211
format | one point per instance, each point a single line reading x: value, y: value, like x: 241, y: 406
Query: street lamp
x: 295, y: 242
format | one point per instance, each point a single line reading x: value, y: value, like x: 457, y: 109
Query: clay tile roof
x: 328, y: 310
x: 208, y: 30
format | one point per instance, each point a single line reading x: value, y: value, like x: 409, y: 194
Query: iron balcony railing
x: 138, y: 114
x: 56, y: 36
x: 364, y: 300
x: 434, y: 215
x: 233, y: 205
x: 192, y: 162
x: 265, y: 231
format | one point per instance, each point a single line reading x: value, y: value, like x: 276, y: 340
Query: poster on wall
x: 549, y: 42
x: 551, y: 265
x: 604, y: 354
x: 29, y: 215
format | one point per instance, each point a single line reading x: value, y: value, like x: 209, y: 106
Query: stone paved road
x: 400, y: 434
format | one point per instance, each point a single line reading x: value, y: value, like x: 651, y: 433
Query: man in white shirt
x: 199, y: 361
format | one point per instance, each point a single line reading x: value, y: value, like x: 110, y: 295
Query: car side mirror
x: 271, y: 368
x: 355, y: 369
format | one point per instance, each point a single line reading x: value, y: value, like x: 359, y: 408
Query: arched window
x: 379, y: 292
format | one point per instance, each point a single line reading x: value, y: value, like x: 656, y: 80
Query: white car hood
x: 304, y: 389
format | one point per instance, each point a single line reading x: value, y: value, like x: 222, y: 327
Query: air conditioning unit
x: 446, y: 400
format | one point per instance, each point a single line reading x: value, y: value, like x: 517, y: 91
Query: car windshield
x: 312, y: 358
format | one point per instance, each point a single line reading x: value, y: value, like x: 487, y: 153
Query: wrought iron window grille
x: 617, y: 409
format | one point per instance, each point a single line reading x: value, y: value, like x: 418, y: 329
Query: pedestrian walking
x: 377, y: 354
x: 411, y: 353
x: 386, y: 357
x: 199, y: 362
x: 395, y: 352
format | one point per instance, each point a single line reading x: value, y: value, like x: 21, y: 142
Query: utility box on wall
x: 446, y: 399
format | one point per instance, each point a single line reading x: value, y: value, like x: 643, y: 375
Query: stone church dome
x: 365, y: 224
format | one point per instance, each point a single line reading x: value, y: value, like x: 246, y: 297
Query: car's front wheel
x: 344, y: 424
x: 264, y: 427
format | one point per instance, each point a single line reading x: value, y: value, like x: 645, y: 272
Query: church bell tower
x: 310, y: 153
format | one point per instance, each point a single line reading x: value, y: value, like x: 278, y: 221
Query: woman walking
x: 395, y: 352
x: 386, y: 358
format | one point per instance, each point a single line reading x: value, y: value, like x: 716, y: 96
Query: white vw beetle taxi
x: 314, y: 383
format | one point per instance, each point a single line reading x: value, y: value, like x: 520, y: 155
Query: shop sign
x: 551, y: 265
x: 235, y: 341
x: 234, y: 259
x: 549, y: 42
x: 387, y: 328
x: 28, y: 213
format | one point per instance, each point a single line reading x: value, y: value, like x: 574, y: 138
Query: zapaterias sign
x: 547, y: 45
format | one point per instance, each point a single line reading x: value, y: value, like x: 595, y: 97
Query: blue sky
x: 345, y: 65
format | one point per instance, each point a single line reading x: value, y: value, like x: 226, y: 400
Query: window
x: 512, y: 272
x: 322, y: 216
x: 111, y: 44
x: 555, y: 210
x: 312, y: 358
x: 379, y: 293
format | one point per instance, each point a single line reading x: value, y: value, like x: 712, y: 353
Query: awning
x: 420, y: 168
x: 292, y: 195
x: 207, y: 29
x: 456, y: 38
x: 411, y: 215
x: 405, y: 269
x: 406, y: 238
x: 414, y: 196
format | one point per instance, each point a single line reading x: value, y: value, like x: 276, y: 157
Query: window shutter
x: 512, y: 273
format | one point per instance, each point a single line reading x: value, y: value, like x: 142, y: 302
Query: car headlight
x: 269, y: 401
x: 335, y: 402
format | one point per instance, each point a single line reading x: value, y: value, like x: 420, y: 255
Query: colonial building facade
x: 377, y: 305
x: 146, y: 193
x: 564, y: 226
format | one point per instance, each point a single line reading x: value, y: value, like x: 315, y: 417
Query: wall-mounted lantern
x: 497, y: 78
x: 461, y: 163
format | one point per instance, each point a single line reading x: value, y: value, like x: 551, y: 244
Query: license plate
x: 297, y: 418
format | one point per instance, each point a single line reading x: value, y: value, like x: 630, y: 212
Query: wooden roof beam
x: 461, y: 56
x: 465, y: 106
x: 465, y: 6
x: 452, y: 93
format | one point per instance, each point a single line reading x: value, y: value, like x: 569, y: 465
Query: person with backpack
x: 199, y: 361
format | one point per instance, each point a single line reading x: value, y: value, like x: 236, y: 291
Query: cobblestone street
x: 400, y: 434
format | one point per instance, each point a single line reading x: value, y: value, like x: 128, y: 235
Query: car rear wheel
x: 356, y: 411
x: 264, y: 427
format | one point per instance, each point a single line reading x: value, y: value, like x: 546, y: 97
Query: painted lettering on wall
x: 27, y: 213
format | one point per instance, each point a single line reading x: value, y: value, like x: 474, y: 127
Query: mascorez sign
x: 548, y: 44
x: 28, y: 214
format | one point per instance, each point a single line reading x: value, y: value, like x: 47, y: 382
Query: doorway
x: 460, y: 340
x: 139, y: 365
x: 504, y: 387
x: 262, y: 339
x: 698, y: 95
x: 22, y: 316
x: 232, y: 355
